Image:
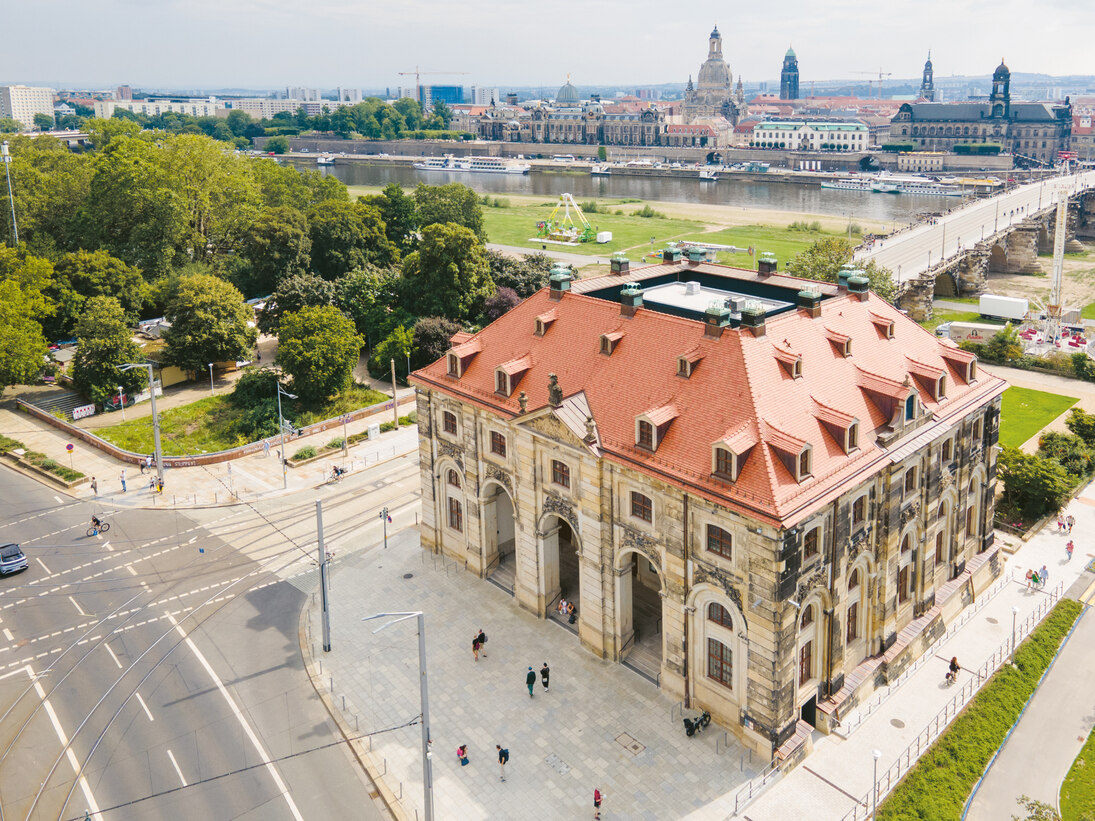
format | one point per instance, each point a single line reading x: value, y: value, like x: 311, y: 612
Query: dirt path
x: 1079, y: 284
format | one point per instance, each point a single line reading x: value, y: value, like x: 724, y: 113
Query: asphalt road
x: 910, y: 253
x: 166, y: 653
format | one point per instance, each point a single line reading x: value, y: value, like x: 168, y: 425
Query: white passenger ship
x: 888, y: 184
x: 488, y: 165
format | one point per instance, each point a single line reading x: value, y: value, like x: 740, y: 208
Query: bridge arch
x: 998, y: 259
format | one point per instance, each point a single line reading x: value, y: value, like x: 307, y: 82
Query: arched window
x: 453, y: 478
x: 906, y: 544
x: 940, y: 547
x: 853, y: 580
x: 807, y: 617
x: 720, y: 615
x: 720, y: 542
x: 720, y: 663
x: 809, y: 544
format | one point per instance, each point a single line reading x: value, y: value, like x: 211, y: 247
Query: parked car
x: 12, y: 559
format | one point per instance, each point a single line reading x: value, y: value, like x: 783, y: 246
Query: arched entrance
x: 562, y: 576
x: 998, y: 260
x: 639, y: 613
x: 945, y: 284
x: 499, y: 537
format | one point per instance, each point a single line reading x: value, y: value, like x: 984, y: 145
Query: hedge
x: 937, y: 787
x: 977, y: 148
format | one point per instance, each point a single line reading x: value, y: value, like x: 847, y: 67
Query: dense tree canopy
x: 209, y: 323
x: 318, y: 348
x: 431, y: 337
x: 400, y: 216
x: 448, y: 274
x: 104, y: 342
x: 292, y: 294
x: 525, y: 276
x: 346, y: 236
x: 453, y: 202
x: 276, y: 246
x: 82, y: 275
x: 367, y: 296
x: 824, y: 259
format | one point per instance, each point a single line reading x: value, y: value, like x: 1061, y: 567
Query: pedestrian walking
x: 1043, y: 575
x: 475, y: 646
x: 598, y: 797
x: 1030, y: 577
x: 1069, y: 548
x: 462, y: 754
x: 503, y: 759
x: 545, y: 674
x: 265, y: 448
x: 1060, y: 521
x: 482, y: 642
x: 1070, y: 522
x: 141, y: 465
x: 148, y: 461
x: 122, y: 477
x: 152, y: 484
x: 95, y: 492
x: 530, y: 680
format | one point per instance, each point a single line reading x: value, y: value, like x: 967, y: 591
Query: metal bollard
x: 332, y: 680
x: 344, y: 704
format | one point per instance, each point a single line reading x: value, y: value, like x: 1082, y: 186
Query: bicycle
x: 103, y: 528
x: 335, y: 478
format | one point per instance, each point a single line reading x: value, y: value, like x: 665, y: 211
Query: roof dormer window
x: 652, y: 426
x: 805, y: 463
x: 851, y: 438
x: 796, y: 368
x: 645, y: 436
x: 884, y: 324
x: 609, y: 342
x: 454, y: 365
x: 941, y: 388
x: 910, y: 407
x: 540, y: 327
x: 791, y: 361
x: 501, y: 382
x: 842, y: 343
x: 971, y: 370
x: 543, y: 322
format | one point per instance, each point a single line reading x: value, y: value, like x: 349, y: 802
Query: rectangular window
x: 940, y: 544
x: 977, y: 431
x: 642, y: 507
x: 646, y: 435
x: 948, y: 450
x: 910, y: 480
x: 560, y: 473
x: 969, y: 521
x: 497, y: 443
x: 720, y: 663
x: 502, y: 385
x: 853, y: 436
x: 859, y: 510
x: 454, y: 365
x: 720, y: 542
x: 724, y: 462
x: 809, y: 544
x: 804, y: 464
x: 805, y: 662
x: 903, y: 584
x: 853, y: 621
x: 456, y: 515
x: 454, y: 478
x: 449, y: 422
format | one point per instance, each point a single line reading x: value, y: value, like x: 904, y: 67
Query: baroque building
x: 1032, y: 131
x: 713, y: 94
x: 768, y: 495
x: 788, y: 76
x: 927, y: 82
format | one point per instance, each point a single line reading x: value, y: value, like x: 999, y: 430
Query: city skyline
x: 272, y: 43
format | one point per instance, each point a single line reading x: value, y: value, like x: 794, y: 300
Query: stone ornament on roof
x: 555, y: 393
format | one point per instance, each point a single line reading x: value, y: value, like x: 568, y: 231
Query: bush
x: 8, y: 445
x: 648, y: 212
x: 306, y: 452
x: 254, y: 386
x: 387, y: 426
x: 1033, y: 486
x: 335, y: 444
x: 940, y: 783
x: 592, y: 207
x: 40, y: 460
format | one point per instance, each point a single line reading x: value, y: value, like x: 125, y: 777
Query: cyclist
x: 95, y: 525
x: 337, y: 473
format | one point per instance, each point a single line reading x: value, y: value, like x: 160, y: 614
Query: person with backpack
x: 530, y: 680
x: 475, y: 646
x: 462, y: 754
x: 503, y: 759
x: 482, y: 642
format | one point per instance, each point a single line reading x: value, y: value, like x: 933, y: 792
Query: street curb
x: 382, y: 794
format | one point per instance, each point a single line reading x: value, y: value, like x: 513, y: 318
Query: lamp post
x: 875, y: 754
x: 155, y: 416
x: 427, y: 756
x: 385, y: 517
x: 996, y: 220
x: 121, y: 401
x: 1014, y: 616
x: 281, y: 426
x: 211, y: 391
x: 6, y: 157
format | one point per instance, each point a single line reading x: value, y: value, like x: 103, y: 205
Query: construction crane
x: 881, y: 74
x: 418, y: 79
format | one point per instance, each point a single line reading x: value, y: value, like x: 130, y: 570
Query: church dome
x: 568, y: 94
x: 1002, y: 72
x: 790, y: 53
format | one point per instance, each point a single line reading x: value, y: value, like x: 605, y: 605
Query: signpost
x: 70, y: 447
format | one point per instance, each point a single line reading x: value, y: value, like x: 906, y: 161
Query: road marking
x: 43, y: 564
x: 107, y: 646
x: 60, y: 501
x: 176, y: 763
x: 240, y: 717
x: 108, y: 547
x: 129, y: 567
x: 8, y: 635
x: 93, y: 807
x: 144, y: 706
x: 74, y: 604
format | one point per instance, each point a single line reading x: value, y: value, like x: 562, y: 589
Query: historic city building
x: 1035, y: 132
x: 713, y: 94
x: 767, y: 494
x: 788, y: 77
x: 927, y: 82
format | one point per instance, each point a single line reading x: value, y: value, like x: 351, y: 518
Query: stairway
x: 59, y: 402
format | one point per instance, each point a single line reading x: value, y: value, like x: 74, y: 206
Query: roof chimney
x: 620, y: 264
x: 859, y: 285
x: 671, y: 255
x: 560, y: 281
x: 696, y: 255
x: 847, y: 270
x: 631, y: 299
x: 753, y: 318
x: 717, y: 318
x: 810, y: 301
x: 767, y: 264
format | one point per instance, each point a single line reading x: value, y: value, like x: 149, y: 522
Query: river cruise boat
x: 486, y: 165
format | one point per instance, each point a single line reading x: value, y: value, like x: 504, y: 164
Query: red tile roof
x: 740, y: 395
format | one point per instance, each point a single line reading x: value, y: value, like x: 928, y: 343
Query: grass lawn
x: 1078, y: 791
x: 1025, y: 412
x: 516, y: 224
x: 207, y: 425
x: 1089, y: 311
x: 941, y: 315
x: 780, y: 241
x: 965, y: 300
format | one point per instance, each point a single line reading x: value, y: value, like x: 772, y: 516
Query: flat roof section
x: 696, y: 297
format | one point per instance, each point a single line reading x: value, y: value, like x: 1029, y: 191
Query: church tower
x: 1000, y: 99
x: 788, y: 78
x: 927, y: 85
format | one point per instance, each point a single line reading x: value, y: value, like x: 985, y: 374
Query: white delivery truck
x: 972, y: 331
x: 995, y: 306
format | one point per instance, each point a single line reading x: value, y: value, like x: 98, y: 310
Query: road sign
x: 70, y: 447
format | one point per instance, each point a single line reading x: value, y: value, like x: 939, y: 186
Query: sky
x: 206, y: 44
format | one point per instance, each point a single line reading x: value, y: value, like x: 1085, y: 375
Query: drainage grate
x: 557, y: 764
x: 629, y: 744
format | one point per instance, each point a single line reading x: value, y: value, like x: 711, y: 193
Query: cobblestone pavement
x: 562, y: 743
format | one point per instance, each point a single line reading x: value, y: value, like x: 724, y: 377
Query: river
x: 808, y: 199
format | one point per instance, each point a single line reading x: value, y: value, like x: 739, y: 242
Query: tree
x: 368, y: 296
x: 103, y: 132
x: 453, y: 202
x: 399, y: 214
x: 209, y: 323
x: 292, y: 294
x: 1083, y: 366
x: 1082, y: 424
x: 1002, y: 347
x: 81, y: 275
x: 824, y: 259
x: 395, y: 346
x: 443, y: 113
x: 318, y: 348
x: 448, y: 274
x: 1033, y: 486
x: 346, y: 236
x: 10, y: 126
x: 525, y: 276
x: 283, y: 185
x: 105, y: 342
x: 1069, y: 450
x: 431, y: 339
x: 602, y: 153
x: 43, y: 122
x: 498, y: 303
x: 1038, y: 811
x: 276, y: 246
x: 278, y: 145
x: 22, y: 346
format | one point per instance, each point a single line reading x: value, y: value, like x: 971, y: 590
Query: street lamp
x: 211, y: 391
x: 1014, y: 616
x: 427, y: 756
x: 875, y: 754
x: 281, y: 426
x: 6, y: 157
x: 385, y: 517
x: 155, y: 416
x: 121, y: 401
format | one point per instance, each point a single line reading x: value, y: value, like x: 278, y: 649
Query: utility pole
x: 7, y: 167
x: 345, y: 438
x: 281, y: 425
x: 323, y: 580
x: 155, y: 416
x: 385, y: 518
x: 395, y: 400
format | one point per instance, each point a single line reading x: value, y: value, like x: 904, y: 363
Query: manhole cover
x: 898, y: 723
x: 408, y: 575
x: 991, y: 620
x: 630, y: 744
